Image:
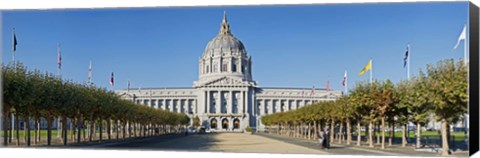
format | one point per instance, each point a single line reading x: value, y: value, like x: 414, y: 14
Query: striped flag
x: 59, y: 58
x: 90, y: 72
x: 111, y: 80
x: 344, y: 78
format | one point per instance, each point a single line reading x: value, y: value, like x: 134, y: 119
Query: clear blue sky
x: 291, y: 46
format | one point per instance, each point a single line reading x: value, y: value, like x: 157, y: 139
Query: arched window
x: 215, y: 67
x: 213, y: 123
x: 224, y: 67
x: 225, y: 123
x: 234, y: 66
x: 236, y: 124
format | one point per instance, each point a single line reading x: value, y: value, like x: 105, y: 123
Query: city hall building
x: 225, y: 97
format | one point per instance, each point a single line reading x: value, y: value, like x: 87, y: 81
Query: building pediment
x: 224, y: 81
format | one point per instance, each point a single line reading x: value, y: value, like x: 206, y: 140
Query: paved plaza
x: 256, y: 143
x: 221, y: 142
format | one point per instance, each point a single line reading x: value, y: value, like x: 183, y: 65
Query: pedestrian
x: 326, y: 135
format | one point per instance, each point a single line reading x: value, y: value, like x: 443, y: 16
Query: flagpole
x: 346, y: 82
x: 465, y: 47
x: 371, y: 71
x: 408, y: 60
x: 14, y: 70
x: 59, y: 72
x: 13, y: 48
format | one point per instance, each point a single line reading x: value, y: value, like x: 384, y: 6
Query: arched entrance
x: 213, y: 124
x: 236, y: 124
x: 225, y: 123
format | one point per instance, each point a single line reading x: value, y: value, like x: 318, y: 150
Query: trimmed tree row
x: 441, y: 92
x: 32, y: 96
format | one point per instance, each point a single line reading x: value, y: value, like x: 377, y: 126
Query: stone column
x: 218, y: 102
x: 270, y: 107
x: 288, y: 105
x: 219, y: 123
x: 164, y: 104
x: 230, y: 103
x: 171, y: 105
x: 240, y: 106
x: 208, y: 101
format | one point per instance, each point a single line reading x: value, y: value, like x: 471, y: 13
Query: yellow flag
x: 366, y: 68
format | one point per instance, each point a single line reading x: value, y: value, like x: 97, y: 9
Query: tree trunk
x: 72, y: 129
x: 418, y: 135
x: 109, y: 132
x: 94, y: 129
x: 392, y: 133
x: 17, y: 130
x: 79, y: 127
x: 359, y: 134
x: 370, y: 132
x: 404, y: 138
x: 39, y: 134
x: 309, y: 130
x: 117, y: 128
x: 124, y: 129
x: 25, y: 128
x: 445, y: 148
x: 383, y: 132
x: 332, y: 127
x: 49, y: 129
x: 5, y: 127
x: 100, y: 132
x: 27, y: 124
x: 35, y: 134
x: 340, y: 135
x: 10, y: 126
x: 378, y: 131
x: 349, y: 132
x: 315, y: 130
x: 64, y: 128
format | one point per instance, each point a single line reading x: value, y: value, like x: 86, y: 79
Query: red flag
x: 344, y: 78
x: 111, y: 80
x: 328, y: 85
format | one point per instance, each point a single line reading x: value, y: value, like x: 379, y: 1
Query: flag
x: 328, y: 85
x: 59, y: 58
x: 405, y: 60
x: 14, y: 41
x: 90, y: 72
x: 313, y: 91
x: 111, y: 80
x: 366, y: 68
x: 463, y: 36
x: 344, y: 78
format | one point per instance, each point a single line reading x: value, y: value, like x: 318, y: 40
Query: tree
x: 196, y: 122
x: 447, y: 84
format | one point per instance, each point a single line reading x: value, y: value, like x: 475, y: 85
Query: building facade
x: 225, y: 97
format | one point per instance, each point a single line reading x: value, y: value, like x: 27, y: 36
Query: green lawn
x: 430, y: 134
x: 43, y: 133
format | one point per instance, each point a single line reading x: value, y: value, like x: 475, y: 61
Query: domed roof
x: 224, y: 40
